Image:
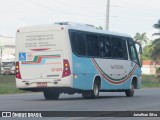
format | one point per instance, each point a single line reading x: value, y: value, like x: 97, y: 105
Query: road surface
x: 144, y: 100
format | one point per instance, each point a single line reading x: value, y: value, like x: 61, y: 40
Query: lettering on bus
x: 39, y: 41
x: 117, y: 67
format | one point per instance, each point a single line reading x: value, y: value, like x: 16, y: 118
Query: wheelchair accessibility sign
x: 22, y: 56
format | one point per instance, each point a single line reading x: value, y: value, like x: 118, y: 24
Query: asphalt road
x: 144, y: 100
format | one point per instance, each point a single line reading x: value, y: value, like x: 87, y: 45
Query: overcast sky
x: 126, y: 16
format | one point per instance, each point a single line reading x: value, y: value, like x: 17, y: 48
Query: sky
x: 126, y: 16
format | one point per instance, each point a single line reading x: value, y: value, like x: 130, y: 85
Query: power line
x: 61, y: 11
x: 83, y: 7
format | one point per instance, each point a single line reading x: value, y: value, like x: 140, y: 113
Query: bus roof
x: 89, y: 28
x: 74, y: 26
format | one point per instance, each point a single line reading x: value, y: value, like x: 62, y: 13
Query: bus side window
x: 125, y: 54
x: 104, y: 46
x: 101, y: 47
x: 93, y: 48
x: 117, y: 47
x: 132, y: 52
x: 78, y: 43
x: 107, y: 46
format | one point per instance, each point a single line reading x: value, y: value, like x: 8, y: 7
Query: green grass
x: 8, y: 84
x: 150, y: 81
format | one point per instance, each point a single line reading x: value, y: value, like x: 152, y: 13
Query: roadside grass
x: 150, y: 81
x: 8, y: 84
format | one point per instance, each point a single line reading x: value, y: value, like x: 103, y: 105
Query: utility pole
x: 107, y: 14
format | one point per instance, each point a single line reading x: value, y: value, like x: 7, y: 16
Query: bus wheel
x: 50, y: 95
x: 93, y: 93
x: 130, y: 92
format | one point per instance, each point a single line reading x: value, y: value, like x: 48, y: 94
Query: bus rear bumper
x: 44, y: 83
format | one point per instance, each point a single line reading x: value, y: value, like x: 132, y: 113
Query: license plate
x: 41, y: 84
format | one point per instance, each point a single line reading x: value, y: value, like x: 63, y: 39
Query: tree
x: 146, y: 55
x: 99, y: 28
x: 141, y: 38
x: 157, y: 26
x: 156, y: 43
x: 156, y: 50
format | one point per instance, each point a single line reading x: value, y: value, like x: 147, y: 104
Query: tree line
x: 151, y: 51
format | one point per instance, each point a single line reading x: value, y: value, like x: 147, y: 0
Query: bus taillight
x: 18, y: 74
x: 66, y: 68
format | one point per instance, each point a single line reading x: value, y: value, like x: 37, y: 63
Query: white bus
x: 75, y: 58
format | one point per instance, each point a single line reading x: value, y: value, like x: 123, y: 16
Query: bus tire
x: 130, y: 92
x: 93, y: 93
x: 50, y: 95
